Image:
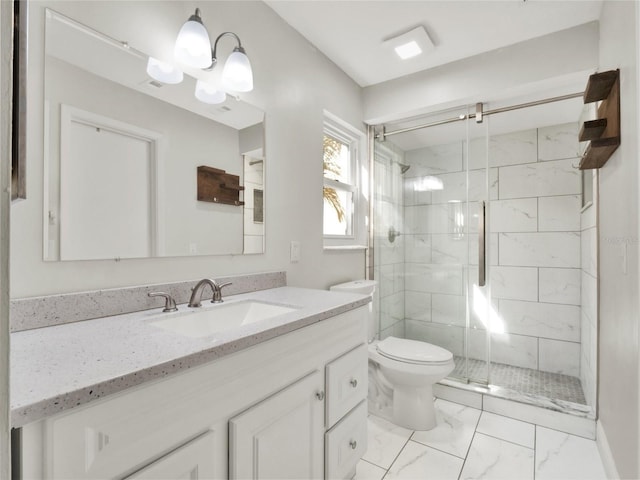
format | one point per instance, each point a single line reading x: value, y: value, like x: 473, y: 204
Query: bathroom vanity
x: 283, y: 397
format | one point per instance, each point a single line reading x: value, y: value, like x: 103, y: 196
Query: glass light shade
x: 237, y: 74
x: 193, y: 46
x: 208, y: 93
x: 163, y: 72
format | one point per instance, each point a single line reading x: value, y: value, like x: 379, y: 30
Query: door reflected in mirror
x: 122, y: 152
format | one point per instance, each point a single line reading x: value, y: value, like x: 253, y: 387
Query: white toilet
x: 410, y: 367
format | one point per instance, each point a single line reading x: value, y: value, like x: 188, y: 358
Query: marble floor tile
x: 417, y: 461
x: 454, y: 430
x: 507, y: 429
x: 491, y: 458
x: 368, y: 471
x: 566, y: 457
x: 385, y: 440
x: 470, y: 444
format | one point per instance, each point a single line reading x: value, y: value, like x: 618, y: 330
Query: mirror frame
x: 19, y: 100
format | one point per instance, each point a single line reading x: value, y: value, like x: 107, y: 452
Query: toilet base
x: 413, y: 408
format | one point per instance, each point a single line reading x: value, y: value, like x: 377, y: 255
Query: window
x: 343, y: 203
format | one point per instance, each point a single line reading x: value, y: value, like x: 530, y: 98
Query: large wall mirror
x: 123, y: 151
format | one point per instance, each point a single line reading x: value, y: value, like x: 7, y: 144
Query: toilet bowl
x: 409, y: 367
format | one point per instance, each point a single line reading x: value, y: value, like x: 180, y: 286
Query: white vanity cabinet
x: 277, y: 409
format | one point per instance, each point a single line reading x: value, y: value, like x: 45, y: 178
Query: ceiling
x: 352, y: 33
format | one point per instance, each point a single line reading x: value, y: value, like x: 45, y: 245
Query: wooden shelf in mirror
x: 218, y: 186
x: 603, y: 132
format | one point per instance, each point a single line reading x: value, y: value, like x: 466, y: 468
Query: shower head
x: 404, y: 168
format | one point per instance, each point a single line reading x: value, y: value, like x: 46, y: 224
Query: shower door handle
x: 482, y: 246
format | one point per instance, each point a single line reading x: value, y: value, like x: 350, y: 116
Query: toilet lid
x: 413, y: 351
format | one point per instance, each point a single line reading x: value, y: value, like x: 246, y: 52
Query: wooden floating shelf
x: 599, y: 86
x: 604, y: 132
x: 218, y: 186
x: 592, y: 129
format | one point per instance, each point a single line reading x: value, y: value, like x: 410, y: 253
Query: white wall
x: 619, y: 212
x: 294, y: 83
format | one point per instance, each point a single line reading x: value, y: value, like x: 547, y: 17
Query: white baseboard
x: 605, y: 453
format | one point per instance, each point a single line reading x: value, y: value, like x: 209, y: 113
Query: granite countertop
x: 60, y: 367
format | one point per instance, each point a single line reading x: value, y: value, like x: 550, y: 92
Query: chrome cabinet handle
x: 353, y: 444
x: 353, y: 382
x: 320, y: 395
x: 482, y: 248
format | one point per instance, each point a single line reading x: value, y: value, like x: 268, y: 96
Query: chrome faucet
x: 196, y: 293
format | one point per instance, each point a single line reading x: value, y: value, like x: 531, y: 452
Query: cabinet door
x: 282, y: 436
x: 193, y: 461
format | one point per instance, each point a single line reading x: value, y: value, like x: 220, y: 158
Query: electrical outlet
x: 295, y: 251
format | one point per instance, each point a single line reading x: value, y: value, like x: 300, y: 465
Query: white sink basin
x: 216, y: 318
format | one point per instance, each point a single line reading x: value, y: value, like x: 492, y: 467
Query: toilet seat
x: 413, y: 351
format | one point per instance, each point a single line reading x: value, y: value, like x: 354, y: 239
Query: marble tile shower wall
x: 389, y: 250
x: 589, y: 295
x: 534, y: 247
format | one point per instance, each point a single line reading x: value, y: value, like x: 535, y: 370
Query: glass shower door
x: 426, y: 241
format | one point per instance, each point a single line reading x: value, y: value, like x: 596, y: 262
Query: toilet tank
x: 364, y: 287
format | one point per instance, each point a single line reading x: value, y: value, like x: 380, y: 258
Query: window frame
x: 355, y: 139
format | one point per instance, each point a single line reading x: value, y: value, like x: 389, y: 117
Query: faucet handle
x: 217, y: 292
x: 169, y: 304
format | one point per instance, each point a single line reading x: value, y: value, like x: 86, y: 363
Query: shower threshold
x: 550, y: 391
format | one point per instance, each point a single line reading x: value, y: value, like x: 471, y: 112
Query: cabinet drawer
x: 346, y: 383
x: 194, y: 461
x: 345, y: 443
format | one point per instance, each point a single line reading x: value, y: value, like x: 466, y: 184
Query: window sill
x: 345, y: 248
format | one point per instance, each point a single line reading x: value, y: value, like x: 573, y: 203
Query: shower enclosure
x: 478, y: 229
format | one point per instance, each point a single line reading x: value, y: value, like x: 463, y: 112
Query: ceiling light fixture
x: 408, y: 50
x: 411, y: 44
x: 193, y: 47
x: 164, y: 72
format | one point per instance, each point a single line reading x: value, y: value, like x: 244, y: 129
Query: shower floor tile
x: 524, y: 380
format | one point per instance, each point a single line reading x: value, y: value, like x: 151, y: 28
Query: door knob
x: 320, y: 395
x: 353, y: 444
x: 353, y: 382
